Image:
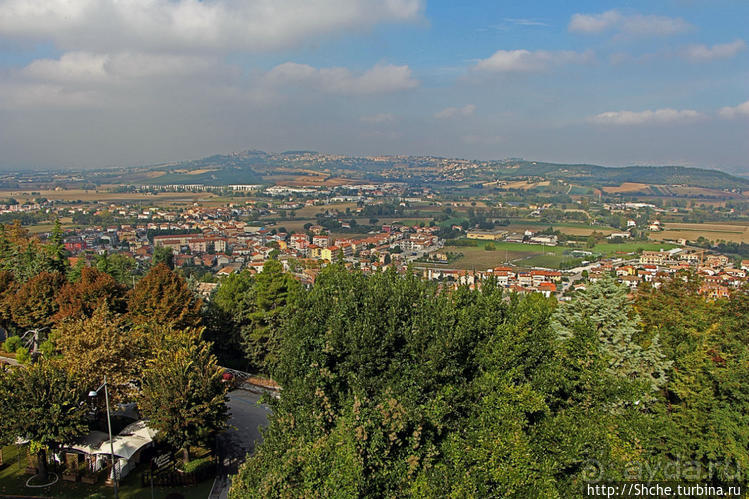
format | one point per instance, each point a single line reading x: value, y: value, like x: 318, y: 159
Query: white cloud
x: 378, y: 118
x: 156, y: 25
x: 735, y: 111
x: 594, y: 23
x: 699, y: 53
x: 525, y: 22
x: 88, y: 67
x: 526, y: 60
x: 659, y: 116
x: 451, y: 112
x: 378, y: 79
x: 627, y: 24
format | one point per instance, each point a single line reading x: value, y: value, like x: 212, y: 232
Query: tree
x: 35, y: 303
x: 163, y: 296
x: 8, y: 288
x: 706, y: 401
x: 78, y: 300
x: 394, y: 388
x: 183, y: 395
x: 605, y: 308
x: 44, y: 404
x: 119, y: 266
x: 273, y: 292
x: 58, y: 261
x: 227, y: 314
x: 162, y: 254
x: 103, y: 345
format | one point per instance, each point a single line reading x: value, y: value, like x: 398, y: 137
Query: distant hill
x: 602, y: 175
x: 255, y: 166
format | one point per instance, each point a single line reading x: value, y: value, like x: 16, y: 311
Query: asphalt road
x: 243, y: 435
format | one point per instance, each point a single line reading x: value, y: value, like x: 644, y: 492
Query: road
x: 243, y: 435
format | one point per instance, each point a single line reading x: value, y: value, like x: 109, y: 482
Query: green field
x: 609, y: 249
x: 533, y: 255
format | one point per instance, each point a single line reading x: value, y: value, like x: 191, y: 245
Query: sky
x: 97, y: 83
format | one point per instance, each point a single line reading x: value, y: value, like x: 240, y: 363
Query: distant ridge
x: 254, y: 166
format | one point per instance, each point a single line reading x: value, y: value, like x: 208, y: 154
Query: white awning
x: 124, y: 446
x: 130, y: 440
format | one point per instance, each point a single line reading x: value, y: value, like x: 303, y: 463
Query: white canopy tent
x: 91, y: 442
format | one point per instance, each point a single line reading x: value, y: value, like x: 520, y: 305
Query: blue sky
x: 90, y: 83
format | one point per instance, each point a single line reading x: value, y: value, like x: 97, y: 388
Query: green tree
x: 44, y: 404
x: 227, y: 314
x: 162, y: 254
x: 119, y: 266
x: 391, y: 388
x: 183, y: 395
x: 58, y: 261
x: 272, y: 297
x: 605, y: 308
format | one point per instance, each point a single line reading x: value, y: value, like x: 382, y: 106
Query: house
x: 228, y: 270
x: 618, y: 235
x: 482, y: 235
x: 630, y: 280
x: 547, y: 288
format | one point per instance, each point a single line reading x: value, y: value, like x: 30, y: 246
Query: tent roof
x: 130, y: 440
x: 90, y: 442
x: 124, y: 446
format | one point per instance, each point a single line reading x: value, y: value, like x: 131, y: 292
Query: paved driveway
x: 247, y: 415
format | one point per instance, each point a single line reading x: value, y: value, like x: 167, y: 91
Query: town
x: 529, y: 244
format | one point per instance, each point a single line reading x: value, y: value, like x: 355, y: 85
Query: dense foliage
x: 246, y: 314
x: 44, y: 404
x: 391, y: 388
x: 91, y: 326
x: 163, y: 296
x: 183, y: 394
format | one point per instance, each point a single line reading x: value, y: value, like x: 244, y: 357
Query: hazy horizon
x: 95, y: 84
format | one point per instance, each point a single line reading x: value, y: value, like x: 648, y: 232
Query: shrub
x: 47, y: 348
x: 197, y: 464
x: 12, y: 344
x: 22, y: 355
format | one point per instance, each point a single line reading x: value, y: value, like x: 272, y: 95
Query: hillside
x: 255, y: 166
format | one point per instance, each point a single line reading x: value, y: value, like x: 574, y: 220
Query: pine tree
x: 605, y: 308
x: 58, y: 261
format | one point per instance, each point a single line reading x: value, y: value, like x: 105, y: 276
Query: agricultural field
x: 93, y: 196
x: 613, y: 249
x: 571, y: 229
x: 627, y: 187
x: 711, y: 231
x: 533, y: 255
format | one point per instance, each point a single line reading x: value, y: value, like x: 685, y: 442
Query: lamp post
x: 94, y: 394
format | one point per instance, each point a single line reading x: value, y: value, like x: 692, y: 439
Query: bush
x: 489, y: 247
x: 47, y: 348
x: 12, y: 344
x: 22, y: 355
x: 197, y: 465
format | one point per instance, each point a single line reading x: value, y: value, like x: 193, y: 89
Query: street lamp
x: 93, y: 394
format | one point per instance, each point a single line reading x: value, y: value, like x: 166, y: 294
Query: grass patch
x: 609, y: 249
x: 13, y: 480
